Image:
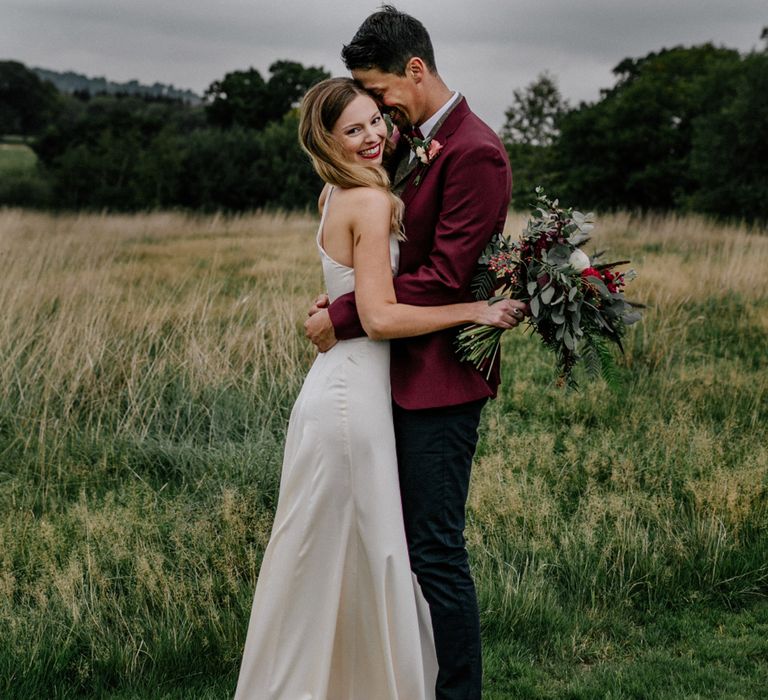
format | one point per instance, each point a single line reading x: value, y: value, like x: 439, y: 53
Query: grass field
x: 148, y: 364
x: 21, y: 182
x: 16, y: 157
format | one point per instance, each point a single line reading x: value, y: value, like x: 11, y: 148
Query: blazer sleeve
x: 475, y: 199
x: 346, y: 322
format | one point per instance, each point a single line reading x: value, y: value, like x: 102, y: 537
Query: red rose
x: 590, y: 272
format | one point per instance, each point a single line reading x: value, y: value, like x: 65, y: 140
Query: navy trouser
x: 434, y: 453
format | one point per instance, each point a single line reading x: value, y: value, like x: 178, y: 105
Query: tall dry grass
x: 147, y: 367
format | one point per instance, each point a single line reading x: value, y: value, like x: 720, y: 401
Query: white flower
x: 421, y: 154
x: 579, y: 260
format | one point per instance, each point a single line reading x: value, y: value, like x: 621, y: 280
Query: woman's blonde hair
x: 320, y: 110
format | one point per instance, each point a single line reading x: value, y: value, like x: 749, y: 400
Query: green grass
x: 703, y: 651
x: 16, y: 158
x: 21, y: 181
x: 148, y: 364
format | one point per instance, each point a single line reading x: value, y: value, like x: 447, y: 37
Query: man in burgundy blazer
x: 453, y: 206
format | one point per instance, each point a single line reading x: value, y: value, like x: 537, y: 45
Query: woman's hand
x: 506, y: 313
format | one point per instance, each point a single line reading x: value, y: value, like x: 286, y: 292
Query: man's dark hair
x: 387, y: 40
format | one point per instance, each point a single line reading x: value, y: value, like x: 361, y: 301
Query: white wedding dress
x: 337, y: 613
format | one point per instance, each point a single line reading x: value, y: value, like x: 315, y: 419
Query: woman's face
x: 361, y: 131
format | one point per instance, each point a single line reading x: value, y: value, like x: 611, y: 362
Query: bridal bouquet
x: 577, y: 304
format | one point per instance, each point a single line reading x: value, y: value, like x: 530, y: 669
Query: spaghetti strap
x: 322, y: 219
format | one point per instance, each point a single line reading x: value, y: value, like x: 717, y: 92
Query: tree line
x: 681, y: 129
x: 71, y: 82
x: 236, y: 151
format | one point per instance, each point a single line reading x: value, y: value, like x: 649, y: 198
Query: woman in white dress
x: 337, y: 614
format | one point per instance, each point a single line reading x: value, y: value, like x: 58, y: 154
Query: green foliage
x: 16, y: 157
x: 239, y: 169
x: 729, y: 157
x: 532, y: 166
x: 682, y: 128
x: 598, y: 361
x: 103, y: 154
x: 571, y: 297
x: 26, y: 102
x: 632, y: 148
x: 535, y: 112
x: 21, y: 183
x: 244, y: 98
x: 123, y: 152
x: 133, y: 153
x: 530, y: 129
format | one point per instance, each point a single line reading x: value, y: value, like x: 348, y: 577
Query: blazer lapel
x: 444, y: 127
x: 405, y: 167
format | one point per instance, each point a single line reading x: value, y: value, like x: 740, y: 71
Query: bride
x: 337, y: 614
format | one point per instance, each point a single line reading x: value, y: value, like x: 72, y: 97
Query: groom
x: 454, y: 203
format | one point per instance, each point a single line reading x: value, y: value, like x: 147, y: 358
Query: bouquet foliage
x: 577, y: 304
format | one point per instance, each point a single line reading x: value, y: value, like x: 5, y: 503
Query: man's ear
x: 415, y: 69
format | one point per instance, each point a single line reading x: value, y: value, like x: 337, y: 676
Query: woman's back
x: 333, y: 237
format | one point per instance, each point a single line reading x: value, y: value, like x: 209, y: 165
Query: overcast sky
x: 484, y: 48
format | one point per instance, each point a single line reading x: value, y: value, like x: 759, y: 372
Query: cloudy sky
x: 484, y: 48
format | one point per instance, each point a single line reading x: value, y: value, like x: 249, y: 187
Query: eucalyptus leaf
x: 535, y: 305
x: 568, y: 340
x: 547, y: 294
x: 559, y: 255
x: 602, y: 321
x: 532, y: 287
x: 578, y: 239
x: 601, y: 288
x: 631, y: 317
x: 572, y: 293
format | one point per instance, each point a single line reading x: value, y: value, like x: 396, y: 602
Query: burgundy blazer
x: 450, y: 216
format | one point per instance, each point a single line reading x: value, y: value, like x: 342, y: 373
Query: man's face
x: 399, y: 94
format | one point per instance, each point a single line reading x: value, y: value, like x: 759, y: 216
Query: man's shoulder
x: 473, y: 141
x: 475, y: 131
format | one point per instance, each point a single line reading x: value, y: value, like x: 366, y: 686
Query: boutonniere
x: 426, y: 151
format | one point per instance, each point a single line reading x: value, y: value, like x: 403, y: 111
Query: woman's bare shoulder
x: 365, y: 199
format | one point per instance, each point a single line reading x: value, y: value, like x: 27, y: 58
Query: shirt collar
x: 427, y: 126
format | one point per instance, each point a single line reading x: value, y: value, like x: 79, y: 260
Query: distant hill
x: 70, y: 82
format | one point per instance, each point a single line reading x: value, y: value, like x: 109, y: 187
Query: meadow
x: 148, y: 364
x: 20, y: 181
x: 15, y: 157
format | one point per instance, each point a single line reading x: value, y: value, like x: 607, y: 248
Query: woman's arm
x: 381, y: 316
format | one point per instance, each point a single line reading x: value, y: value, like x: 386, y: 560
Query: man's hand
x: 318, y: 327
x: 321, y: 302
